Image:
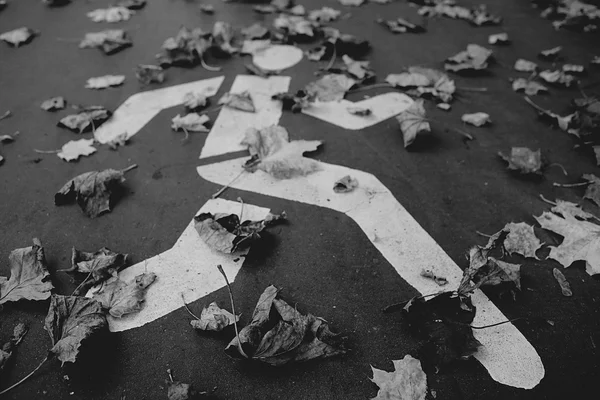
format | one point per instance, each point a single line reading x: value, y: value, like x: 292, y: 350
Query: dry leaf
x: 53, y: 104
x: 400, y: 25
x: 325, y: 14
x: 487, y: 271
x: 6, y: 349
x: 132, y: 4
x: 110, y: 14
x: 214, y: 318
x: 566, y: 208
x: 147, y: 74
x: 191, y: 122
x: 592, y: 192
x: 530, y: 88
x: 103, y: 82
x: 294, y: 25
x: 550, y: 54
x: 180, y: 391
x: 563, y: 283
x: 294, y: 101
x: 207, y: 9
x: 524, y: 160
x: 73, y: 149
x: 110, y: 41
x: 345, y: 184
x: 428, y: 82
x: 354, y: 3
x: 522, y: 65
x: 255, y: 31
x: 412, y: 122
x: 474, y: 58
x: 440, y: 280
x: 186, y: 49
x: 573, y: 69
x: 119, y: 140
x: 120, y: 298
x: 292, y: 337
x: 581, y: 241
x: 71, y: 320
x: 6, y: 139
x: 86, y: 119
x: 227, y: 234
x: 360, y: 70
x: 476, y: 119
x: 360, y: 111
x: 499, y: 39
x: 406, y: 382
x: 29, y: 277
x: 557, y: 78
x: 443, y: 106
x: 18, y: 36
x: 194, y: 101
x: 91, y: 190
x: 223, y: 36
x: 521, y: 239
x: 330, y: 87
x: 239, y: 101
x: 273, y: 153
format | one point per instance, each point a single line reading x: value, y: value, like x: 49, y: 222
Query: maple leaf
x: 214, y: 318
x: 476, y: 119
x: 110, y: 14
x: 147, y: 74
x: 6, y: 349
x: 499, y: 39
x: 400, y: 25
x: 97, y: 267
x: 406, y: 382
x: 330, y: 87
x: 91, y: 190
x: 412, y: 122
x: 227, y: 234
x: 524, y: 160
x: 487, y: 271
x: 71, y: 320
x: 102, y: 82
x: 565, y: 287
x: 223, y: 35
x: 272, y: 152
x: 29, y: 277
x: 278, y: 334
x: 191, y: 122
x: 581, y: 241
x: 239, y: 101
x: 53, y: 104
x: 521, y: 239
x: 565, y: 208
x: 530, y: 88
x: 86, y: 119
x: 110, y: 41
x: 345, y: 184
x: 522, y: 65
x: 18, y: 36
x: 474, y: 58
x: 120, y: 298
x: 74, y: 149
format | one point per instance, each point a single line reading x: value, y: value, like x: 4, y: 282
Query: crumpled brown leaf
x: 565, y: 208
x: 110, y: 41
x: 73, y: 149
x: 474, y: 58
x: 499, y: 39
x: 86, y: 119
x: 18, y: 36
x: 227, y: 234
x: 147, y: 74
x: 239, y: 101
x: 330, y: 87
x: 120, y: 298
x: 412, y: 122
x: 581, y: 241
x: 194, y: 101
x: 294, y: 25
x: 477, y: 15
x: 324, y: 14
x: 97, y: 267
x: 91, y: 190
x: 71, y: 320
x: 484, y: 270
x: 53, y: 104
x: 550, y: 54
x: 214, y: 318
x: 406, y: 382
x: 558, y: 78
x: 524, y: 160
x: 29, y: 277
x: 272, y: 152
x: 426, y: 82
x: 186, y: 49
x: 7, y: 349
x: 293, y: 337
x: 191, y: 122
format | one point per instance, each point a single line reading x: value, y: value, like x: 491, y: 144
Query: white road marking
x: 139, y: 109
x: 507, y: 355
x: 189, y: 268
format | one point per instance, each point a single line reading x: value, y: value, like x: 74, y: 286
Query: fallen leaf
x: 110, y: 14
x: 524, y: 160
x: 70, y: 321
x: 412, y: 122
x: 191, y: 122
x: 120, y: 298
x: 147, y: 74
x: 427, y: 81
x: 207, y: 9
x: 487, y: 271
x: 103, y: 82
x: 73, y: 149
x: 592, y: 192
x: 180, y: 391
x: 400, y: 25
x: 443, y: 106
x: 345, y: 184
x: 110, y: 41
x: 428, y: 273
x: 7, y: 349
x: 87, y: 119
x: 239, y: 101
x: 565, y: 288
x: 476, y: 119
x: 119, y: 140
x: 359, y: 70
x: 360, y: 111
x: 294, y: 101
x: 557, y: 77
x: 271, y: 151
x: 325, y: 14
x: 255, y: 31
x: 521, y: 239
x: 354, y: 3
x: 573, y: 69
x: 264, y: 9
x: 29, y: 277
x: 595, y: 61
x: 186, y: 49
x: 96, y: 267
x: 18, y: 36
x: 530, y: 88
x: 480, y: 17
x: 330, y: 87
x: 573, y: 15
x: 91, y: 190
x: 563, y: 123
x: 227, y: 234
x: 406, y: 382
x: 566, y: 208
x: 255, y: 46
x: 6, y: 139
x: 132, y: 4
x: 195, y: 101
x: 581, y: 241
x: 256, y: 70
x: 297, y: 10
x: 522, y: 65
x: 477, y: 16
x: 474, y: 58
x: 223, y: 36
x: 292, y: 337
x: 550, y: 54
x: 214, y: 318
x: 294, y: 25
x: 53, y: 104
x: 499, y: 39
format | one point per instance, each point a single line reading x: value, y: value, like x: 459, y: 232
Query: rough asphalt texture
x: 322, y: 260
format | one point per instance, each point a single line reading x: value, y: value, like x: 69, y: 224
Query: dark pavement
x: 321, y: 258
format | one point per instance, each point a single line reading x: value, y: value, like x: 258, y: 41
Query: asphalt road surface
x: 321, y: 258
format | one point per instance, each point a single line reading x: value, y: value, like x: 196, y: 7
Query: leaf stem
x: 46, y: 151
x: 214, y: 196
x: 472, y: 89
x: 498, y: 323
x: 559, y: 166
x: 568, y: 185
x: 546, y: 200
x: 208, y: 67
x: 5, y: 115
x: 237, y: 334
x: 27, y: 376
x: 187, y: 308
x: 132, y: 166
x: 532, y: 104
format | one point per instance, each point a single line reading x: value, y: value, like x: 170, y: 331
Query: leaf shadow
x: 424, y: 142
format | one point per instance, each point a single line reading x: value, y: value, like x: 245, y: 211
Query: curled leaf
x: 331, y: 87
x: 191, y: 122
x: 524, y: 160
x: 18, y: 36
x: 97, y: 267
x: 521, y: 239
x: 147, y: 74
x: 120, y: 298
x: 474, y: 58
x: 345, y: 184
x: 412, y: 122
x: 7, y: 349
x: 85, y: 120
x: 214, y: 318
x: 110, y: 41
x: 522, y: 65
x: 103, y: 82
x: 53, y: 104
x: 239, y: 101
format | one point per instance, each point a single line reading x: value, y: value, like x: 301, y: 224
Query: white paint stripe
x: 189, y: 268
x: 507, y: 355
x: 230, y: 126
x: 383, y: 107
x: 139, y: 109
